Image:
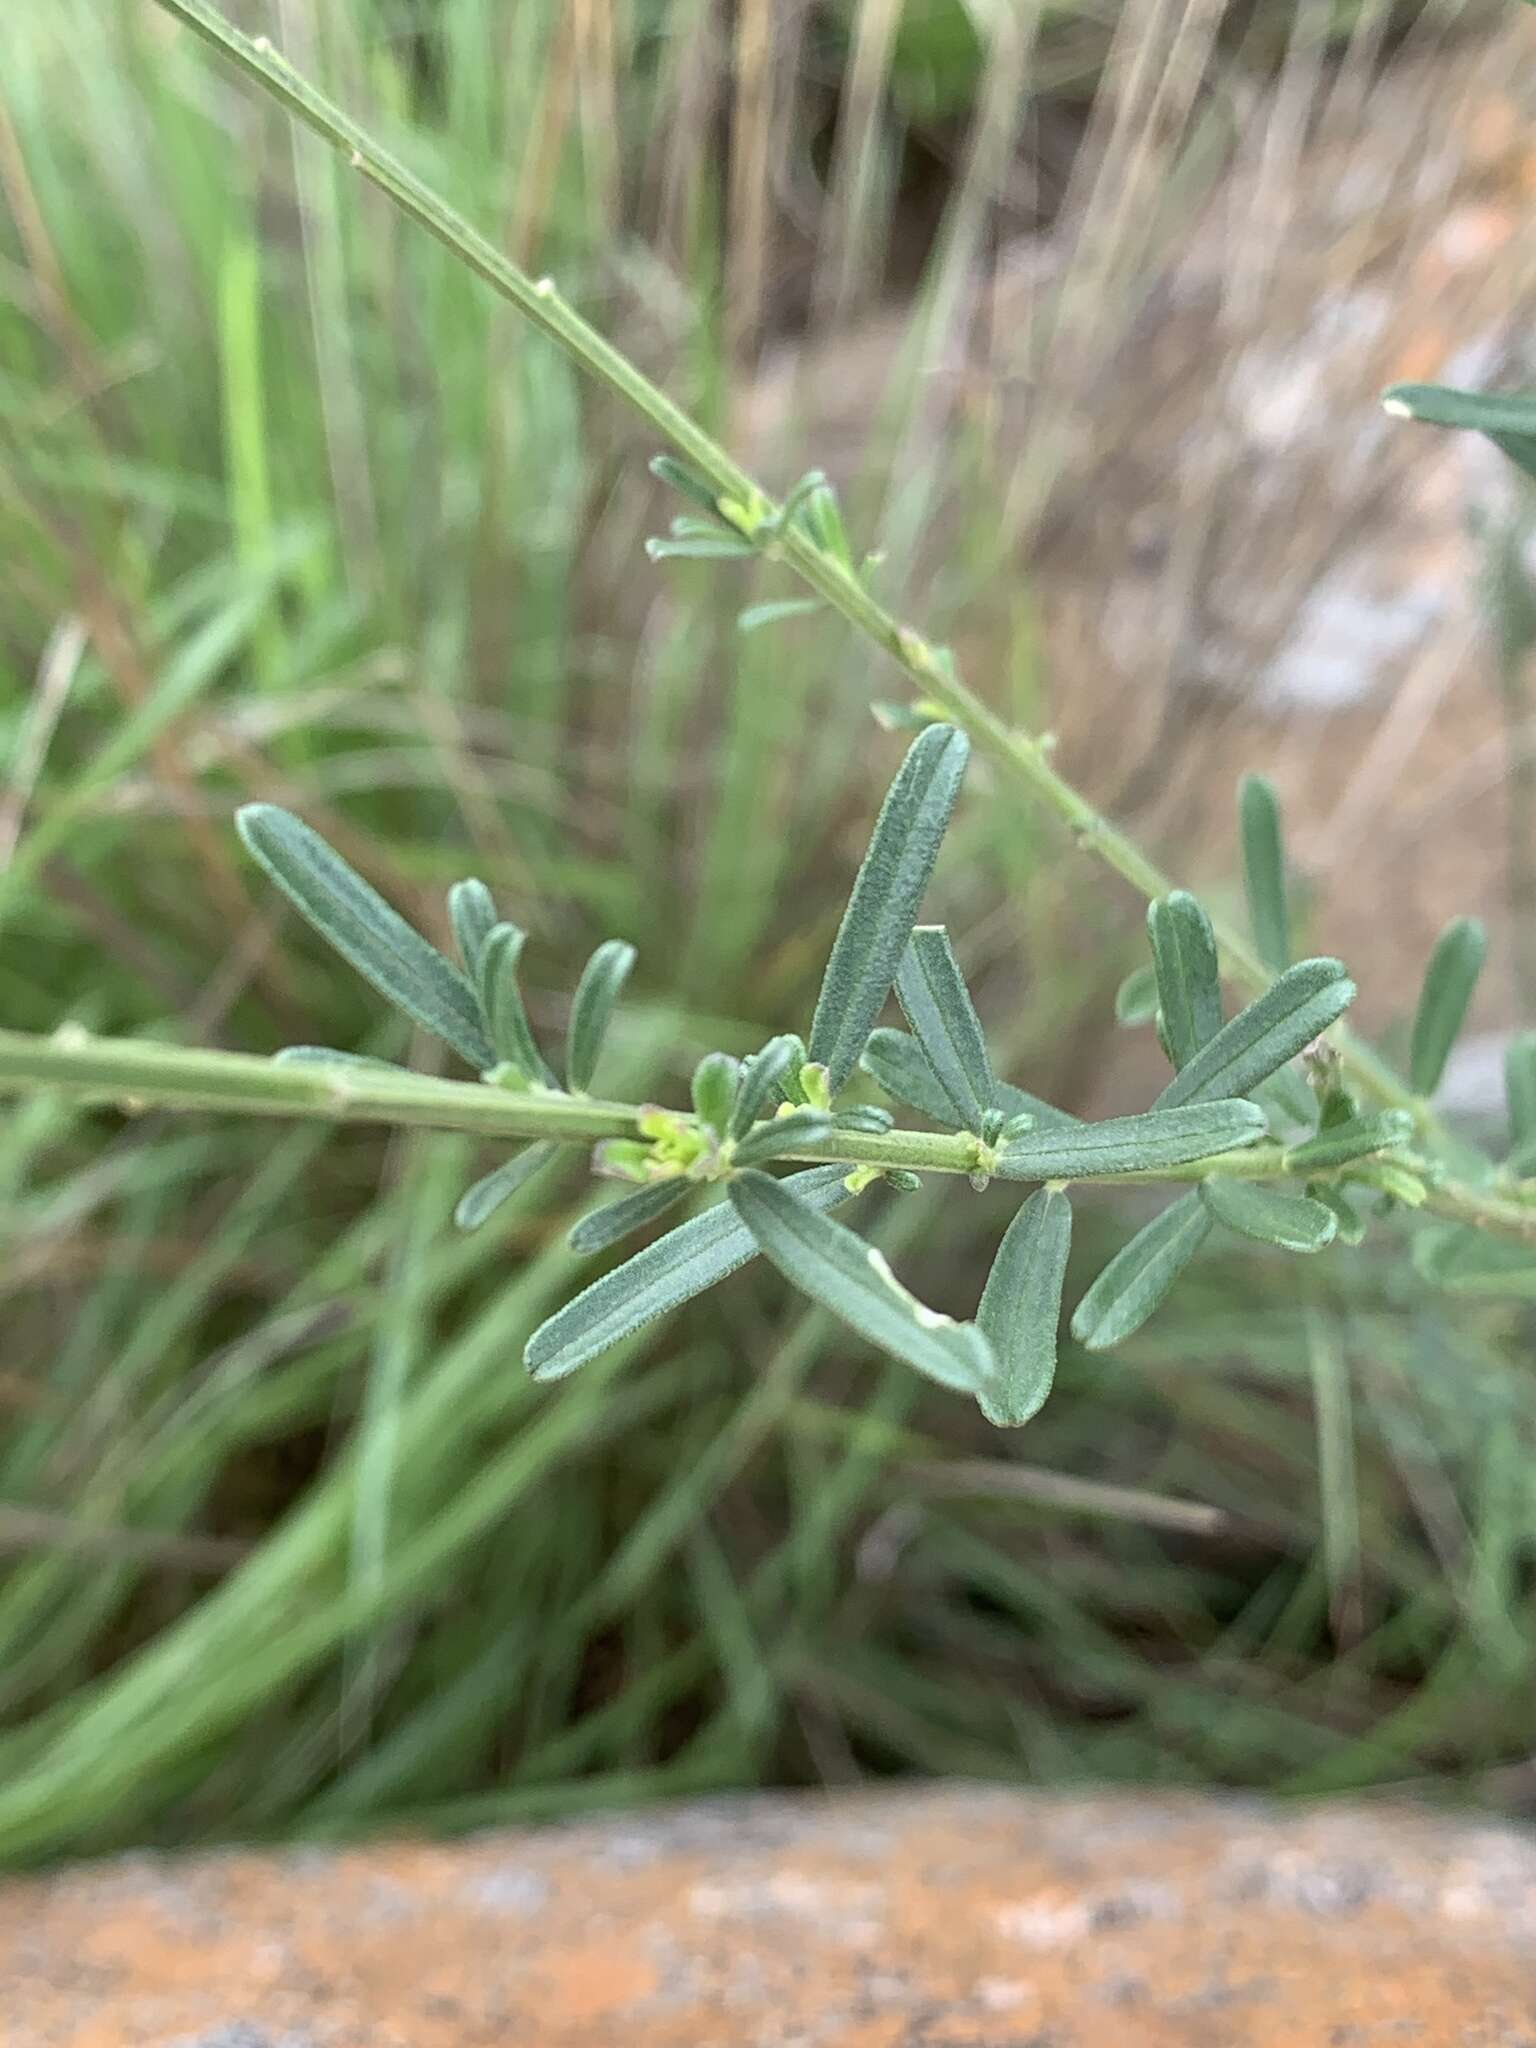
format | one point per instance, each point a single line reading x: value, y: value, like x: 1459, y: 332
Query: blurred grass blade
x: 501, y: 998
x: 1188, y: 981
x: 353, y: 917
x: 605, y: 1226
x: 1449, y: 981
x: 662, y: 1277
x: 1138, y: 1277
x: 1269, y: 917
x: 886, y: 895
x: 472, y: 913
x: 836, y: 1267
x: 1508, y: 421
x: 783, y: 1134
x: 1132, y: 1144
x: 592, y: 1007
x: 1136, y: 997
x: 763, y: 1079
x: 1259, y: 1040
x: 1356, y: 1139
x: 1021, y: 1307
x: 932, y: 993
x: 476, y: 1203
x: 1269, y: 1215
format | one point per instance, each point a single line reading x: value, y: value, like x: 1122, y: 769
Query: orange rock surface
x: 951, y: 1918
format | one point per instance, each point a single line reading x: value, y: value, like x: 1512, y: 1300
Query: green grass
x: 290, y: 1546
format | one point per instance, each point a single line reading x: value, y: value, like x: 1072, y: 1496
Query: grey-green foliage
x: 1276, y: 1026
x: 883, y: 907
x: 1185, y: 975
x: 592, y: 1007
x: 1140, y: 1275
x: 1508, y: 419
x: 1021, y: 1305
x: 1449, y: 981
x: 932, y: 992
x: 834, y: 1266
x: 678, y: 1266
x: 783, y: 1102
x: 351, y: 915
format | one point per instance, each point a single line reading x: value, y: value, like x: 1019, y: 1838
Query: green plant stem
x: 134, y: 1075
x: 1025, y: 758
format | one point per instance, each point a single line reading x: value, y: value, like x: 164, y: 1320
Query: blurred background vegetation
x: 290, y: 508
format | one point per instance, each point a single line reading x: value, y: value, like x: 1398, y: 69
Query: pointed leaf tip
x: 1139, y: 1275
x: 676, y: 1268
x: 835, y: 1267
x: 369, y: 934
x: 1258, y: 1041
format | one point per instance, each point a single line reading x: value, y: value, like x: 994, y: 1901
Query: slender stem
x: 134, y: 1075
x: 1024, y: 757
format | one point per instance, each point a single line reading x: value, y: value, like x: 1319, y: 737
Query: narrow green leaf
x: 864, y: 1116
x: 472, y: 913
x: 1466, y: 1261
x: 476, y: 1203
x: 883, y: 907
x: 1188, y: 983
x: 1356, y: 1139
x: 756, y: 616
x: 836, y: 1267
x: 605, y: 1226
x: 668, y: 470
x: 1508, y: 420
x: 1351, y: 1223
x: 932, y: 993
x: 822, y: 519
x: 1018, y: 1102
x: 764, y: 1080
x: 684, y: 1263
x: 715, y: 1080
x: 1448, y: 984
x: 1520, y: 1093
x: 1259, y: 1040
x: 1139, y: 1275
x: 327, y: 1056
x: 353, y: 917
x: 721, y: 547
x: 1021, y: 1306
x: 1269, y: 1215
x: 502, y: 1002
x: 592, y: 1007
x: 896, y: 1061
x: 1136, y: 997
x: 1269, y: 917
x: 781, y: 1134
x: 1289, y: 1095
x: 1132, y: 1144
